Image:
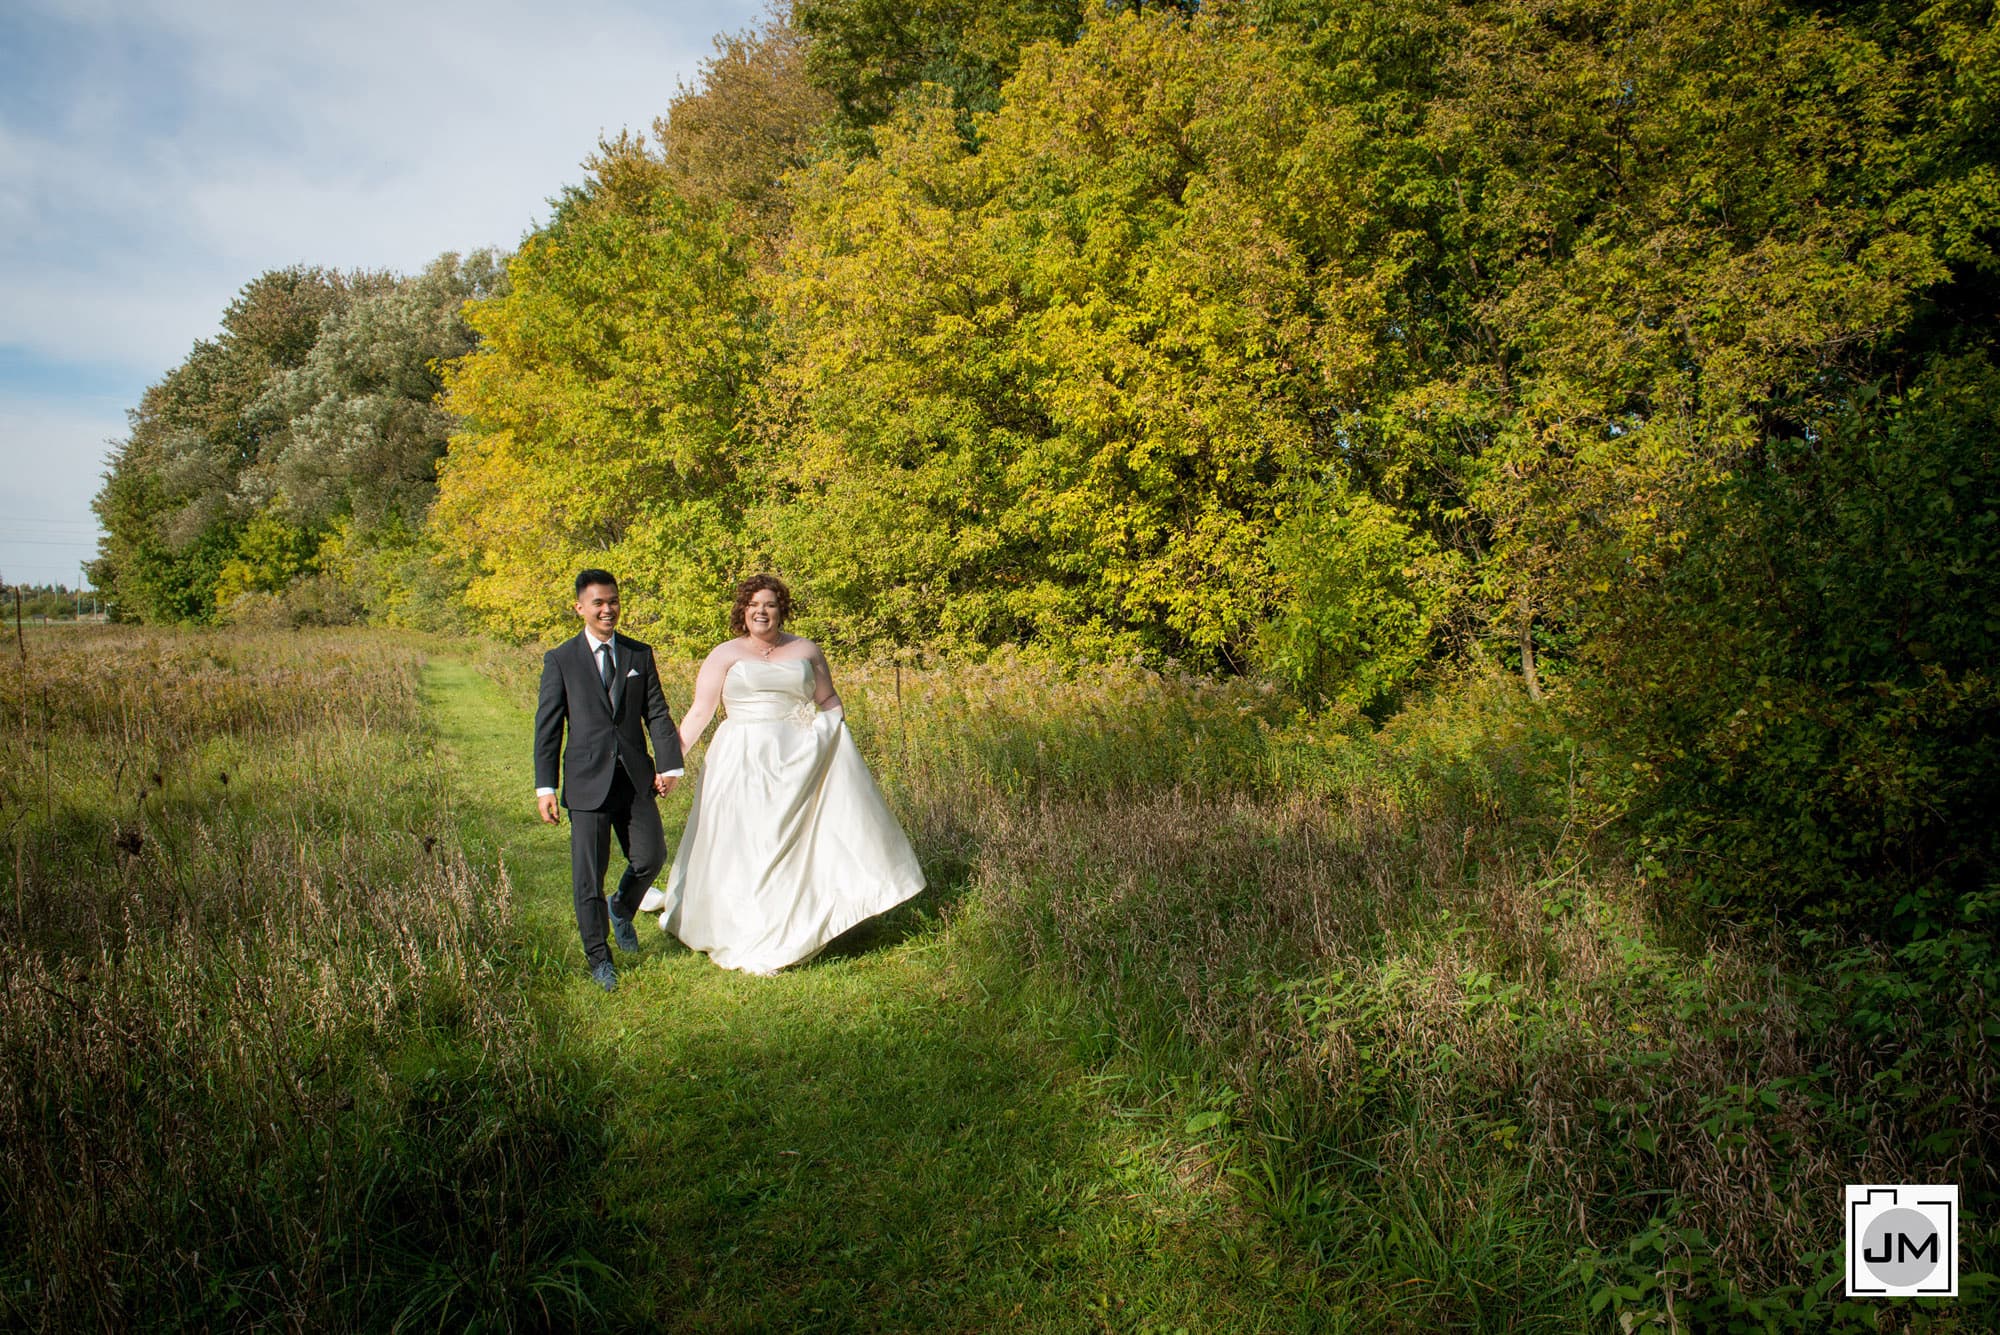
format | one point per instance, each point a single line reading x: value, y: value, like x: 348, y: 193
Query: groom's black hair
x: 586, y: 578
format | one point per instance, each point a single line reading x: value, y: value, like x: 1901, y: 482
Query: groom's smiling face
x: 598, y: 606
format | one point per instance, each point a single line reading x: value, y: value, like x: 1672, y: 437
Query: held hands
x: 551, y: 809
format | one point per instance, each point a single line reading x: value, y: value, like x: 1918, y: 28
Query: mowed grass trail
x: 869, y: 1142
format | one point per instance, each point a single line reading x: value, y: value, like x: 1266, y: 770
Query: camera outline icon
x: 1902, y: 1241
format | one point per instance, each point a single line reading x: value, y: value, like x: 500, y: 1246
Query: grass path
x: 870, y: 1142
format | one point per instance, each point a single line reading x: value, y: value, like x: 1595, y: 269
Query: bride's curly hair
x: 751, y: 587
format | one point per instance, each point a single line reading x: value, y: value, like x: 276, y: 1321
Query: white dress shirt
x: 596, y: 645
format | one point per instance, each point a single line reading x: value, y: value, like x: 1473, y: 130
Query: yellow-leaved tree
x: 1050, y: 389
x: 599, y: 416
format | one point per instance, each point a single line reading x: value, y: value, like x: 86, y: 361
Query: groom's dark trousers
x: 637, y: 825
x: 606, y: 771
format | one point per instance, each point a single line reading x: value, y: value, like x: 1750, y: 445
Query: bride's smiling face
x: 760, y: 614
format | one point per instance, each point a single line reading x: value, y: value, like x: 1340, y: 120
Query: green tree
x: 753, y: 116
x: 599, y: 417
x: 1656, y: 259
x: 868, y: 54
x: 269, y: 554
x: 170, y: 506
x: 355, y: 429
x: 1048, y: 390
x: 1836, y: 750
x: 352, y: 440
x: 1361, y: 597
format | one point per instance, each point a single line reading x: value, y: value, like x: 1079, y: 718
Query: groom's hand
x: 551, y: 809
x: 664, y: 783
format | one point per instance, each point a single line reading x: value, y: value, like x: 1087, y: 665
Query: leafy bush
x: 1363, y: 593
x: 1809, y: 694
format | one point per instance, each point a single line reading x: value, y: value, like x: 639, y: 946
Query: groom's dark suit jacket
x: 604, y: 731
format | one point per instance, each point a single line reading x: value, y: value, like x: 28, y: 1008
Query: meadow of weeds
x: 1216, y: 1014
x: 1452, y: 1045
x: 265, y: 1055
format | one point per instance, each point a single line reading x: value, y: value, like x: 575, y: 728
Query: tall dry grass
x: 266, y: 1051
x: 1436, y: 1032
x: 1454, y: 1031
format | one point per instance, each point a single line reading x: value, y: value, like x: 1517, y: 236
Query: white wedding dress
x: 789, y: 843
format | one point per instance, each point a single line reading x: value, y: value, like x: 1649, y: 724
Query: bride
x: 789, y: 843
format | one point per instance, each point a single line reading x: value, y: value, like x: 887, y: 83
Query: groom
x: 604, y: 687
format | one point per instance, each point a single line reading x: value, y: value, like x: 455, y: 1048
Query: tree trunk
x: 1528, y: 673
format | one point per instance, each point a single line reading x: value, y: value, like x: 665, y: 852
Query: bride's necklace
x: 766, y: 649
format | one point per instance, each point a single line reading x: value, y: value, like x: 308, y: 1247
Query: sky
x: 155, y: 157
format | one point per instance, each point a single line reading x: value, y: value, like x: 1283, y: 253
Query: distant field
x: 1214, y: 1018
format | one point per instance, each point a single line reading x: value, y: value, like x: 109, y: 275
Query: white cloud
x: 155, y: 157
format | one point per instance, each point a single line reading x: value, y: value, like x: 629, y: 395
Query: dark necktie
x: 604, y: 666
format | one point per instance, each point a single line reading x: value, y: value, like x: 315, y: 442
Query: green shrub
x: 1809, y: 695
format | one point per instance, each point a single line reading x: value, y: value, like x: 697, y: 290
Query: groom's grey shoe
x: 605, y: 976
x: 622, y: 933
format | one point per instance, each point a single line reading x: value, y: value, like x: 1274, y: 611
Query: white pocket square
x: 631, y: 672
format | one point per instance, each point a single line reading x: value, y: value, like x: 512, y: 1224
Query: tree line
x: 47, y: 602
x: 1642, y: 350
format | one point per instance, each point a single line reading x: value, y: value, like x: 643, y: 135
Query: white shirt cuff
x: 673, y: 773
x: 545, y: 792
